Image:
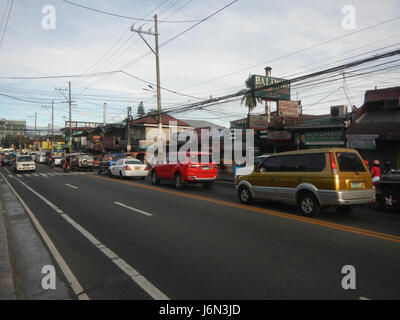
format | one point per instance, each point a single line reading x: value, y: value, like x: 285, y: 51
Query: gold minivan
x: 311, y: 179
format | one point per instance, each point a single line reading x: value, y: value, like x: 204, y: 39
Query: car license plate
x: 137, y: 168
x: 356, y: 185
x: 206, y: 168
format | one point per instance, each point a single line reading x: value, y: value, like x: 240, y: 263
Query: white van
x: 24, y: 163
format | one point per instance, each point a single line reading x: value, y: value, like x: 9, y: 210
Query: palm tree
x: 249, y: 100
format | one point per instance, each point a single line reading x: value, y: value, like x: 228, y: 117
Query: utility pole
x: 128, y: 129
x: 52, y: 121
x: 156, y: 53
x: 70, y: 116
x: 69, y: 101
x: 104, y: 113
x: 268, y: 103
x: 35, y: 123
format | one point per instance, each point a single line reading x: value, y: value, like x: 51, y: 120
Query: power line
x: 293, y: 53
x: 6, y: 24
x: 126, y: 17
x: 129, y: 64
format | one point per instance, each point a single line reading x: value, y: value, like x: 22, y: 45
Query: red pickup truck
x: 186, y: 168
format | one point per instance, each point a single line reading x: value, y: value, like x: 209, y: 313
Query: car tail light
x: 333, y: 164
x: 128, y: 168
x: 147, y: 168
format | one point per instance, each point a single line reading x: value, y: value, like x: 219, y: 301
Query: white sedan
x: 129, y: 168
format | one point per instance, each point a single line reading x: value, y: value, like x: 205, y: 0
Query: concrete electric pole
x: 156, y: 53
x: 104, y: 113
x: 268, y: 103
x: 128, y: 130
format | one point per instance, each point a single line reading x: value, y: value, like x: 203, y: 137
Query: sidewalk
x: 23, y: 254
x: 7, y: 289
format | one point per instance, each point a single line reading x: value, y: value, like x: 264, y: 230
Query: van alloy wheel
x: 308, y: 204
x: 245, y: 195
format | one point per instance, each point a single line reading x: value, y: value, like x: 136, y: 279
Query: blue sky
x: 246, y: 34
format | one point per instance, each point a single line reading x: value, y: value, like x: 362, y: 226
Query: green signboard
x: 320, y: 137
x: 278, y: 92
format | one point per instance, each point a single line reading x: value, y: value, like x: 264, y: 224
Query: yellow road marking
x: 331, y: 225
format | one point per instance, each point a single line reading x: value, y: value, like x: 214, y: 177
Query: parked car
x: 129, y: 168
x: 311, y: 179
x: 388, y: 190
x: 24, y: 163
x: 185, y: 168
x: 108, y: 161
x: 244, y: 171
x: 80, y: 161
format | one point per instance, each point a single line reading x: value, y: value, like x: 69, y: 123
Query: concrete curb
x: 7, y: 287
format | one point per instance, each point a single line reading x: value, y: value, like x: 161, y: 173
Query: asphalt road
x: 127, y: 239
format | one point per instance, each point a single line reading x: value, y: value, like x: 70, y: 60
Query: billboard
x: 278, y: 92
x: 46, y: 145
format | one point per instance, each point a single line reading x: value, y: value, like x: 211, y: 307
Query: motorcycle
x: 66, y: 166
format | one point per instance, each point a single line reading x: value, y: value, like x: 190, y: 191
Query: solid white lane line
x: 71, y: 186
x: 133, y: 209
x: 147, y: 286
x: 140, y: 280
x: 73, y: 281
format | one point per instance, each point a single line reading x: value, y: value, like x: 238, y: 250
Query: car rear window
x: 133, y: 162
x: 349, y: 162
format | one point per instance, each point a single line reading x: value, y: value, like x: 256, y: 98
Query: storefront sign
x: 321, y: 137
x: 278, y: 92
x: 279, y: 135
x: 362, y: 141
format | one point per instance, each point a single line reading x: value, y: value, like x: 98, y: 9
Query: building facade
x: 376, y: 132
x: 12, y: 128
